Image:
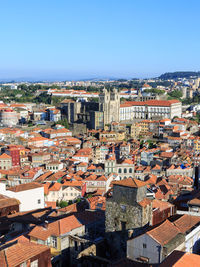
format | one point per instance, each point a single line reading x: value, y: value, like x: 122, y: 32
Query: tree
x: 64, y: 122
x: 43, y: 98
x: 154, y: 91
x: 175, y: 94
x: 63, y: 204
x: 23, y: 87
x: 56, y: 100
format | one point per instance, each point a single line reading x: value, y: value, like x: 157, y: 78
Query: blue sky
x: 72, y: 39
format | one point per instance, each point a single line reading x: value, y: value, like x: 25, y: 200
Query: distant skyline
x: 66, y: 40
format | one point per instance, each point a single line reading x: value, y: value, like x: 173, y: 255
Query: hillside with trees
x: 179, y: 74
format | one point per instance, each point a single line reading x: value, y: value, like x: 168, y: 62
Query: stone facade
x: 109, y: 104
x: 124, y: 207
x: 125, y: 212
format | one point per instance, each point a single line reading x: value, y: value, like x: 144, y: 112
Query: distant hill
x: 179, y: 74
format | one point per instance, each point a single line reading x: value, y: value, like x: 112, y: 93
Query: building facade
x: 150, y: 109
x: 109, y: 104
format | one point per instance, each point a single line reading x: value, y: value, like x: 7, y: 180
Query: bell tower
x: 109, y: 104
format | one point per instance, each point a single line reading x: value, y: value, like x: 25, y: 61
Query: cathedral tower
x: 109, y: 104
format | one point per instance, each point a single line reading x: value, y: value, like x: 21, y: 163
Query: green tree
x: 175, y: 94
x: 63, y: 204
x: 43, y: 98
x: 155, y: 91
x: 64, y: 122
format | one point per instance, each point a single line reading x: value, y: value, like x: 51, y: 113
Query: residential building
x: 5, y: 162
x: 155, y: 245
x: 24, y: 253
x: 57, y: 234
x: 124, y: 168
x: 31, y: 195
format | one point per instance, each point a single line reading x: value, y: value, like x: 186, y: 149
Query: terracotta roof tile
x: 164, y: 232
x: 5, y: 156
x: 186, y: 222
x: 17, y: 253
x: 23, y: 187
x: 56, y: 228
x: 130, y: 183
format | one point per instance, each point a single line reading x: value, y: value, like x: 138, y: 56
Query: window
x: 123, y: 208
x: 41, y: 242
x: 130, y: 170
x: 39, y: 201
x: 120, y: 170
x: 144, y: 245
x: 23, y: 264
x: 76, y: 245
x: 54, y: 242
x: 34, y: 263
x: 125, y: 170
x: 123, y: 226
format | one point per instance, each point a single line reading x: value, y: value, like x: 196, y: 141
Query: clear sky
x: 72, y: 39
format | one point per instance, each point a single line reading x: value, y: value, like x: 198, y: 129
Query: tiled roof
x: 166, y: 154
x: 23, y: 187
x: 162, y: 103
x: 164, y: 232
x: 161, y: 205
x: 145, y: 202
x: 17, y: 253
x: 181, y: 259
x: 56, y: 228
x: 55, y: 187
x: 186, y: 222
x: 194, y: 201
x: 130, y: 183
x: 5, y: 156
x: 127, y: 161
x: 7, y: 202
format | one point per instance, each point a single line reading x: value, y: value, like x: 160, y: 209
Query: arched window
x: 125, y: 170
x: 120, y: 170
x: 130, y: 170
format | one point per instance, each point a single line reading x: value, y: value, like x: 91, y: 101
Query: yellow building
x: 135, y: 130
x: 121, y: 135
x: 56, y: 235
x: 197, y: 145
x: 144, y: 126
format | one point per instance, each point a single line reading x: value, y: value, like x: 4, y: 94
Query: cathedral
x: 109, y: 104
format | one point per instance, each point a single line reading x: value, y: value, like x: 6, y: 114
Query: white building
x: 124, y: 169
x: 156, y: 244
x: 31, y: 195
x: 150, y: 109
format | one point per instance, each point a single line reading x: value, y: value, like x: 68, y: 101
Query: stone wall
x: 117, y: 214
x: 78, y: 128
x: 128, y: 195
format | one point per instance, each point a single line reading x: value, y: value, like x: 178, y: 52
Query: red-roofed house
x: 150, y: 109
x: 5, y: 162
